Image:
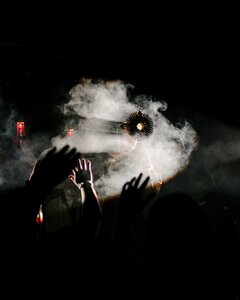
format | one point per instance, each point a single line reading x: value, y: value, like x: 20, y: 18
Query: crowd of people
x: 156, y: 246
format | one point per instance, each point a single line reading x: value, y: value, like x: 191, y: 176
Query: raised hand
x: 53, y: 168
x: 82, y: 173
x: 131, y: 199
x: 82, y: 177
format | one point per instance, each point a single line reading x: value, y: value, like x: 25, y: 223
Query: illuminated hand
x: 82, y: 173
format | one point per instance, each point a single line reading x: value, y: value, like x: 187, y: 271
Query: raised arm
x: 82, y: 177
x: 22, y: 205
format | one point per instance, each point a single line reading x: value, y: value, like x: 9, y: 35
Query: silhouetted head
x: 178, y: 230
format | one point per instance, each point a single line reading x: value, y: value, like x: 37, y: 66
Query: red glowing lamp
x: 70, y: 132
x: 20, y: 128
x: 39, y: 217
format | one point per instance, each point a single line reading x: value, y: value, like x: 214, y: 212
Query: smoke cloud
x: 221, y: 157
x: 95, y: 111
x: 100, y: 108
x: 16, y: 158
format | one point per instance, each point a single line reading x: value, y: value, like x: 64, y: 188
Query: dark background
x: 185, y: 55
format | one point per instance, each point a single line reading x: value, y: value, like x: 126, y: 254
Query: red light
x: 70, y: 132
x: 39, y: 217
x: 20, y: 128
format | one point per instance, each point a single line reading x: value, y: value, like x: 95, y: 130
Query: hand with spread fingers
x: 48, y: 172
x: 53, y: 168
x: 131, y: 199
x: 82, y: 177
x: 82, y: 173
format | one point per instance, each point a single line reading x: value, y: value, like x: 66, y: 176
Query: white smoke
x: 166, y: 152
x: 222, y: 157
x: 16, y: 159
x: 116, y: 156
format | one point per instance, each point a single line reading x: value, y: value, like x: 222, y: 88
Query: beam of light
x: 109, y: 122
x: 155, y: 177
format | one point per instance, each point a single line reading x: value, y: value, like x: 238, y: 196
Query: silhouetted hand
x: 131, y: 199
x: 82, y: 173
x: 53, y: 168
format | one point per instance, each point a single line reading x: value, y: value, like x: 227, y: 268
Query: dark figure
x: 22, y: 205
x: 179, y: 227
x: 91, y: 212
x: 132, y: 201
x: 71, y: 254
x: 22, y: 251
x: 179, y: 237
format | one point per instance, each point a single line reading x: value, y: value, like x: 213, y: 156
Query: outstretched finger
x: 125, y: 186
x: 84, y: 164
x: 80, y: 164
x: 72, y: 153
x: 132, y: 181
x: 63, y: 150
x: 137, y: 181
x: 50, y: 152
x: 144, y: 184
x: 89, y: 165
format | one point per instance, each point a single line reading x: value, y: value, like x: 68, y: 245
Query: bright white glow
x: 140, y: 126
x: 168, y: 148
